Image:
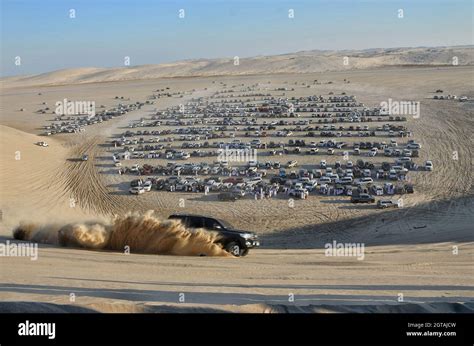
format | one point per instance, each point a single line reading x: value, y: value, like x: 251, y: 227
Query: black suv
x: 233, y: 241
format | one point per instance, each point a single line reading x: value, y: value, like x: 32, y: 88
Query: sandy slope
x: 32, y: 186
x: 302, y: 62
x: 263, y: 281
x: 402, y: 258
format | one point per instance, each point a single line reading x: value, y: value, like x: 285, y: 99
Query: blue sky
x: 150, y: 32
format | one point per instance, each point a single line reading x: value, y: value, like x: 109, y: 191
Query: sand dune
x: 408, y: 251
x: 301, y: 62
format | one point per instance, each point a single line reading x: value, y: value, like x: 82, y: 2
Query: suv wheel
x: 233, y: 248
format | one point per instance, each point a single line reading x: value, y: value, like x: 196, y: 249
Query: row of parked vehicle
x: 77, y: 123
x: 224, y: 119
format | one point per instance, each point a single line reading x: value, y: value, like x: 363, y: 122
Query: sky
x: 45, y: 37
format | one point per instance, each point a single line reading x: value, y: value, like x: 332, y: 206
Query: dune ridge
x: 300, y: 62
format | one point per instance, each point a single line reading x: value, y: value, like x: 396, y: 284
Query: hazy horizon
x: 223, y: 57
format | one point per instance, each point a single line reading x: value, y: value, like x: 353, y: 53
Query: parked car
x: 345, y: 181
x: 136, y: 182
x: 373, y: 152
x: 236, y: 242
x: 310, y: 185
x: 365, y: 180
x: 298, y: 192
x: 42, y: 144
x: 147, y: 185
x: 429, y: 165
x: 137, y: 190
x: 413, y: 145
x: 85, y: 157
x: 362, y: 198
x: 325, y: 180
x: 385, y: 204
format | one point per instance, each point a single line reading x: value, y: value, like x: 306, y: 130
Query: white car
x: 373, y: 152
x: 137, y: 190
x: 366, y: 172
x: 345, y: 180
x: 292, y: 163
x: 227, y: 186
x: 253, y: 163
x: 325, y: 180
x: 385, y: 204
x: 298, y: 186
x: 42, y: 144
x: 378, y: 190
x: 254, y: 180
x: 147, y: 186
x: 310, y: 185
x: 393, y: 175
x: 298, y: 193
x: 366, y: 180
x: 216, y: 186
x: 429, y: 165
x: 403, y: 159
x: 414, y: 146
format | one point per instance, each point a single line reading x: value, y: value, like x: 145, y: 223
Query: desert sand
x: 409, y: 251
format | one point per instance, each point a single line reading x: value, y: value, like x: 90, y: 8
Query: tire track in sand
x: 82, y: 181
